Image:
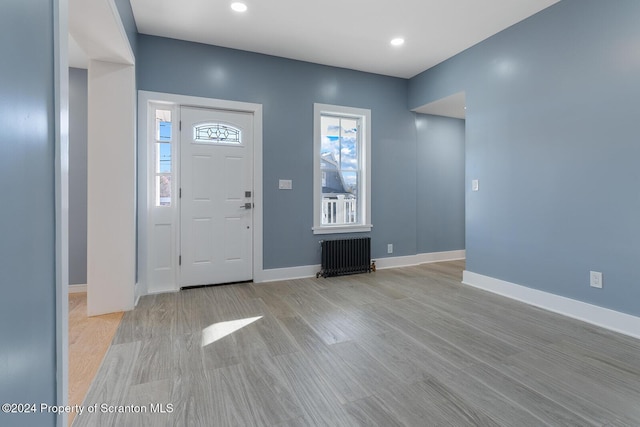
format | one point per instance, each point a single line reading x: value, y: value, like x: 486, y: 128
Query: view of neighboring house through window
x: 163, y: 157
x: 341, y: 169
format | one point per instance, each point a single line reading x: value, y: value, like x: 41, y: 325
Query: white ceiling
x: 352, y: 34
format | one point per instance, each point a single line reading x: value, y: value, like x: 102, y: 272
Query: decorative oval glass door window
x: 216, y: 133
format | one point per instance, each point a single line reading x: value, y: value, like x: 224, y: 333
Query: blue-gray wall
x: 440, y: 191
x: 27, y: 216
x: 552, y: 136
x: 77, y: 176
x: 287, y: 90
x: 129, y: 23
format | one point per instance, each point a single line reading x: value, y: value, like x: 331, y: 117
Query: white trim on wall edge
x: 77, y: 289
x: 609, y: 319
x: 305, y: 271
x: 60, y: 33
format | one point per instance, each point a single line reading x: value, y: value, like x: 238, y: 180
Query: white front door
x: 216, y: 204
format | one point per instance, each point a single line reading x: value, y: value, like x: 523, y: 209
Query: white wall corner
x: 111, y: 223
x: 609, y: 319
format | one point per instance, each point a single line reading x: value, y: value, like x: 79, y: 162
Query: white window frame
x: 364, y: 157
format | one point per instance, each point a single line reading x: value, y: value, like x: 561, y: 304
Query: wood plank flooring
x: 402, y: 347
x: 89, y: 340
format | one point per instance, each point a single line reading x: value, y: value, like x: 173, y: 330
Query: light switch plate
x: 285, y: 184
x: 475, y: 185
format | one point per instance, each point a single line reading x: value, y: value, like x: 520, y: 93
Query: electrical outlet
x: 595, y: 279
x: 285, y: 184
x: 390, y: 248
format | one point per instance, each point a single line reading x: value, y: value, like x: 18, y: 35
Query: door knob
x: 247, y: 205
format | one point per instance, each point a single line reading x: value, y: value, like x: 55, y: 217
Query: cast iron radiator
x: 345, y: 256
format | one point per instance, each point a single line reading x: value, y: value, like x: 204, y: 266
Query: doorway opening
x: 441, y: 189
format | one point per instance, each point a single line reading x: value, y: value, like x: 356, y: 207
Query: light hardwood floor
x: 402, y: 347
x: 89, y: 340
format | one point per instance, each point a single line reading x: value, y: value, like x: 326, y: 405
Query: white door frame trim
x: 61, y: 137
x: 145, y: 98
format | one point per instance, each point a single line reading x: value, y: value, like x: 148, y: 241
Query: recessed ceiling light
x: 398, y: 41
x: 239, y: 7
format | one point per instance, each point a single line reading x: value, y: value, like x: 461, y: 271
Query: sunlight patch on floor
x: 213, y: 333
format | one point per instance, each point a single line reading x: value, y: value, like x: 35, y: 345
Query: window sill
x: 342, y: 229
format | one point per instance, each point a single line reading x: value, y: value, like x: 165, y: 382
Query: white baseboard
x: 136, y: 294
x: 289, y: 273
x: 599, y: 316
x: 407, y: 261
x: 76, y: 289
x: 162, y: 291
x: 396, y: 261
x: 301, y: 272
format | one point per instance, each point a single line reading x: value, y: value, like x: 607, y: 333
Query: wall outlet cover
x: 595, y: 279
x: 285, y: 184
